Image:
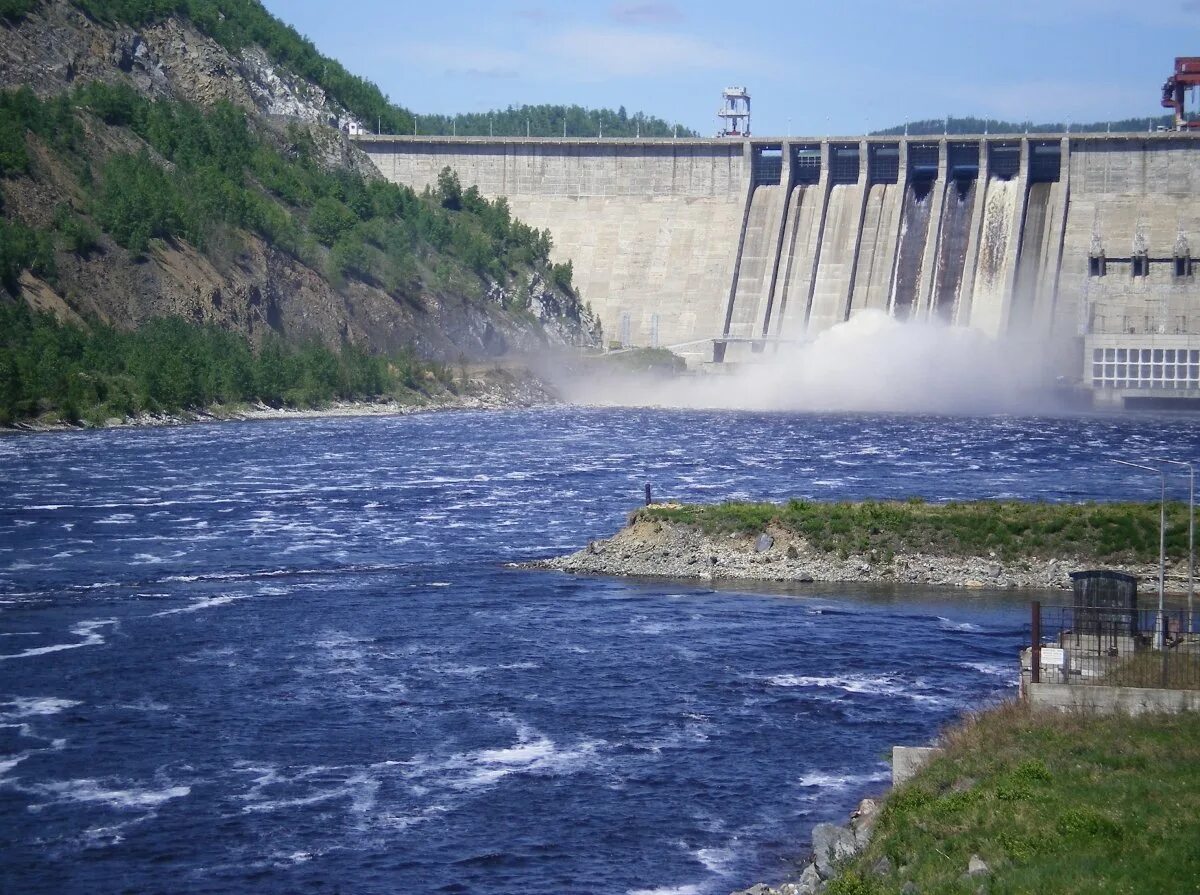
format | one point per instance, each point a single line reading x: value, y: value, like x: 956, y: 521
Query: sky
x: 838, y: 67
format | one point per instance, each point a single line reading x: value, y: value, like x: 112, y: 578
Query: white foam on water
x: 116, y: 519
x: 834, y: 780
x: 947, y: 625
x: 87, y: 630
x: 716, y: 859
x: 206, y: 603
x: 1006, y: 670
x: 81, y: 791
x: 668, y: 890
x: 21, y: 634
x: 29, y: 706
x: 7, y: 764
x: 533, y: 753
x: 146, y: 559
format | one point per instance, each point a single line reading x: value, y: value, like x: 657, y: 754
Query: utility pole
x: 1159, y: 632
x: 1191, y: 532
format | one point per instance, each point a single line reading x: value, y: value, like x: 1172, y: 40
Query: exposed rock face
x: 671, y: 550
x: 57, y: 47
x: 245, y: 285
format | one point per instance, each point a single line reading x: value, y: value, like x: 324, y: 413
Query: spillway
x: 1029, y: 263
x: 914, y: 231
x: 988, y: 296
x: 877, y: 249
x: 801, y: 240
x: 954, y: 236
x: 839, y: 241
x: 756, y: 263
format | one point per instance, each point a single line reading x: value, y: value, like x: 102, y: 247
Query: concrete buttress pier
x: 1080, y: 245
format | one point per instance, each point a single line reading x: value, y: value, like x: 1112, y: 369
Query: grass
x: 1101, y: 532
x: 1145, y: 669
x: 1052, y: 803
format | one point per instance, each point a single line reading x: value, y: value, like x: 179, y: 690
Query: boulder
x: 831, y: 845
x: 976, y: 867
x: 764, y: 543
x: 862, y: 821
x: 810, y: 881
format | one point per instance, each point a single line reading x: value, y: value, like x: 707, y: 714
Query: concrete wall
x: 1111, y: 700
x: 671, y: 244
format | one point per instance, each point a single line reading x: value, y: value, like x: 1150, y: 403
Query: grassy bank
x: 1101, y: 532
x: 1052, y: 803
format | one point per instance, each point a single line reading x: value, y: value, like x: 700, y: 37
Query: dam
x: 1074, y: 248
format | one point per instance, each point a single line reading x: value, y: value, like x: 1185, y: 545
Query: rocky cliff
x: 242, y: 280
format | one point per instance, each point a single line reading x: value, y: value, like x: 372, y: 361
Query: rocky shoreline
x: 662, y: 549
x: 831, y: 846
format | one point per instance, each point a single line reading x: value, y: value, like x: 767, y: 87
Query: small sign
x: 1052, y: 656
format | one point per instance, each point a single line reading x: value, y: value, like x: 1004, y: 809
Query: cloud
x: 623, y: 52
x: 651, y: 13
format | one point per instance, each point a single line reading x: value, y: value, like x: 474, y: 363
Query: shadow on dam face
x: 913, y: 233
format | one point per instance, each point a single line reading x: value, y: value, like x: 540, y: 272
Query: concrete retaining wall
x: 1111, y: 700
x: 656, y: 229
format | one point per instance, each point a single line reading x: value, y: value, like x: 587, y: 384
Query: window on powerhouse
x: 1146, y: 368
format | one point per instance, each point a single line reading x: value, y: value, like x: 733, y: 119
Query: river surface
x: 287, y: 656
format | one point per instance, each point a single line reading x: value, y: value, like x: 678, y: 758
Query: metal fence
x: 1114, y: 646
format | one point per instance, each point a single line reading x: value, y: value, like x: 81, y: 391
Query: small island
x: 975, y: 544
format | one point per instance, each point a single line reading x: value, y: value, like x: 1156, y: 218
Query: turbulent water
x: 287, y: 656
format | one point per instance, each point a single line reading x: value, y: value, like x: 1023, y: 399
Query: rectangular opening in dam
x: 767, y: 164
x: 1045, y: 161
x: 923, y: 161
x: 883, y: 163
x: 962, y: 160
x: 806, y: 163
x: 1004, y: 160
x: 843, y: 163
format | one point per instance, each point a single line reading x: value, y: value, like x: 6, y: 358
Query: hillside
x: 550, y: 121
x: 172, y: 159
x: 972, y: 125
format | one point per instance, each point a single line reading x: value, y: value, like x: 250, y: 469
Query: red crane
x: 1187, y: 76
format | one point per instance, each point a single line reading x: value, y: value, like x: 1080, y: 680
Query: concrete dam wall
x: 1078, y: 244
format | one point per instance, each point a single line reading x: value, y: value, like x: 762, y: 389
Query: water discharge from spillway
x: 871, y: 362
x: 918, y: 202
x: 999, y: 211
x: 952, y: 248
x: 1029, y: 265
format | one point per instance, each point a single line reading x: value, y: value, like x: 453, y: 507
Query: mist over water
x: 872, y: 362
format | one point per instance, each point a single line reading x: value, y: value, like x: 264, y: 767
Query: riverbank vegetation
x: 64, y: 373
x: 1009, y: 530
x: 1051, y: 803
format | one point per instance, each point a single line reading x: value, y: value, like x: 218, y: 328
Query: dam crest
x: 1073, y: 248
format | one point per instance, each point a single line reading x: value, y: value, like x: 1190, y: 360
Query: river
x: 288, y: 656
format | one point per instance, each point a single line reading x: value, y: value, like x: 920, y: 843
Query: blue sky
x: 836, y: 67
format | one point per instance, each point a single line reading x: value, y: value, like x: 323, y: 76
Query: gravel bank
x: 673, y: 550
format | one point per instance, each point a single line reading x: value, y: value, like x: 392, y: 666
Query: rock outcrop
x: 648, y: 548
x: 832, y: 846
